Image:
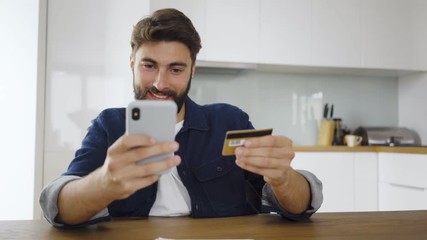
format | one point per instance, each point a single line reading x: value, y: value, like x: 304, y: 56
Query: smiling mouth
x: 161, y: 95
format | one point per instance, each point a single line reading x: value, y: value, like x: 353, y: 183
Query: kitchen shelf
x: 234, y: 67
x: 332, y: 70
x: 411, y: 150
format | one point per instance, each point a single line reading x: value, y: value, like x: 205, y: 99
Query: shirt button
x: 219, y: 169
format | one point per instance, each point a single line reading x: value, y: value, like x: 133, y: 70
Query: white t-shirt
x: 172, y: 196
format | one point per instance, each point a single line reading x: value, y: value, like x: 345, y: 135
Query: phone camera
x: 135, y: 113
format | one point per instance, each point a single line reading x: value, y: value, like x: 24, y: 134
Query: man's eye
x: 147, y: 65
x: 177, y: 70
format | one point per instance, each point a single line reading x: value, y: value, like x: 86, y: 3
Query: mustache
x: 169, y: 93
x: 142, y: 93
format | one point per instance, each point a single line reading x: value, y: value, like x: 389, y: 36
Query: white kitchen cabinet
x: 394, y: 35
x: 228, y: 29
x: 285, y: 32
x: 231, y: 31
x: 395, y: 197
x: 403, y: 181
x: 365, y: 181
x: 350, y: 179
x: 194, y: 9
x: 336, y: 33
x: 311, y: 33
x: 374, y: 34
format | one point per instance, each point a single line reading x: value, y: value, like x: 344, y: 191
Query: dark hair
x: 166, y: 25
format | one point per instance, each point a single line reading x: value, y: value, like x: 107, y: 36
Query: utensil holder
x: 326, y: 132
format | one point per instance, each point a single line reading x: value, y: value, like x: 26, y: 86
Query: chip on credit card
x: 237, y: 138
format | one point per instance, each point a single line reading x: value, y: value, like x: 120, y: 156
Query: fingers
x: 269, y: 156
x: 132, y: 171
x: 138, y: 153
x: 270, y: 173
x: 265, y: 151
x: 122, y: 181
x: 268, y: 141
x: 261, y: 162
x: 125, y: 181
x: 121, y: 172
x: 130, y: 149
x: 125, y: 154
x: 121, y: 189
x: 127, y: 142
x: 274, y: 170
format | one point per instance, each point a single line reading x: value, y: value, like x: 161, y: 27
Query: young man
x: 104, y: 180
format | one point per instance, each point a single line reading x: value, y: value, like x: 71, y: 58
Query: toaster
x: 388, y: 136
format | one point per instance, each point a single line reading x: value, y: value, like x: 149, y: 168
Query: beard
x: 140, y: 93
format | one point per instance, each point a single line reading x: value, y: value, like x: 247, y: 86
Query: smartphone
x: 153, y: 118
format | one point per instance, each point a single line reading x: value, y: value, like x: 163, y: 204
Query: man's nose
x: 161, y: 82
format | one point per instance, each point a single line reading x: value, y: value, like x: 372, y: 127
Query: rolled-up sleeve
x: 49, y: 203
x: 271, y: 204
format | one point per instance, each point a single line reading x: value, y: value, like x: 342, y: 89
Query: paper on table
x: 160, y: 238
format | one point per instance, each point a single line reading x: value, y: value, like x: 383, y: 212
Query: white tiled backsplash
x: 292, y: 103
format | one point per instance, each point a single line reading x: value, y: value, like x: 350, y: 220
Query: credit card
x: 237, y: 138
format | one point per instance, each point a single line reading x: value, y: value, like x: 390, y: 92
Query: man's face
x: 162, y: 71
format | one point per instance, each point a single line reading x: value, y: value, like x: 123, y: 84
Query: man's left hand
x: 271, y: 157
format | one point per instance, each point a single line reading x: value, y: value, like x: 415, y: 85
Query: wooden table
x: 356, y: 225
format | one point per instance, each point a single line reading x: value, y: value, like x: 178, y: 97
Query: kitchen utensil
x: 326, y: 132
x: 325, y: 111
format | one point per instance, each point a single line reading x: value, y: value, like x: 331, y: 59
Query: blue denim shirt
x: 216, y: 185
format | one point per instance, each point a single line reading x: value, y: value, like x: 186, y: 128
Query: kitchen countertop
x: 414, y: 150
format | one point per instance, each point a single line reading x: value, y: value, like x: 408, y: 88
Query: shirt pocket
x: 223, y: 183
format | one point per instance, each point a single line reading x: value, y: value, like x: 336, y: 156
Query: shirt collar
x: 194, y: 117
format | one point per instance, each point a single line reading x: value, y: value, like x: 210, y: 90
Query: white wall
x: 412, y: 88
x: 412, y: 97
x: 18, y: 93
x: 87, y: 69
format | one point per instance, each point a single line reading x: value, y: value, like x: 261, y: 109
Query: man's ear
x: 193, y: 70
x: 132, y: 61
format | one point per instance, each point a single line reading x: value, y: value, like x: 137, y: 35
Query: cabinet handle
x: 406, y: 186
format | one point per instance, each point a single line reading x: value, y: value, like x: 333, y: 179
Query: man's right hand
x: 122, y: 175
x: 118, y: 178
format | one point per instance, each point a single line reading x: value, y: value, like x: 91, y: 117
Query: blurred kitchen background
x: 280, y: 61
